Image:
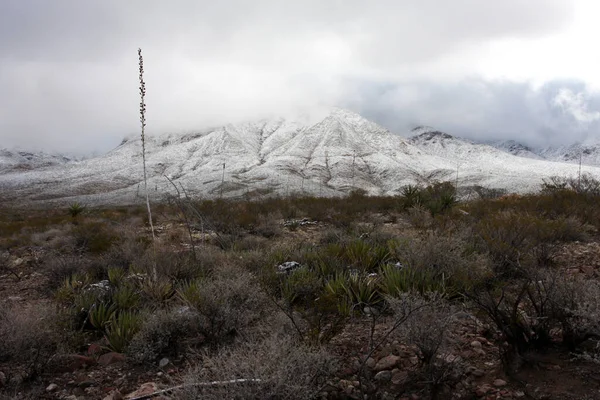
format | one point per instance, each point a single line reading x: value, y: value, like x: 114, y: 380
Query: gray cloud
x: 68, y: 73
x: 559, y: 112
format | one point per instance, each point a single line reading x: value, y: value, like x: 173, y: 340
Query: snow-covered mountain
x: 517, y: 149
x: 338, y: 153
x: 589, y: 153
x: 24, y: 160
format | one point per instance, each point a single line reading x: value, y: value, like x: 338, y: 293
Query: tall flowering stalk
x: 143, y: 123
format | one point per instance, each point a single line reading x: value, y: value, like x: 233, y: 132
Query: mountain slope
x: 338, y: 153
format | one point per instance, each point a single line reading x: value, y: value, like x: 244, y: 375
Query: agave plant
x: 100, y: 314
x: 121, y: 328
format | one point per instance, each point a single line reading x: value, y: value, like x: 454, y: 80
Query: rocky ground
x: 95, y: 373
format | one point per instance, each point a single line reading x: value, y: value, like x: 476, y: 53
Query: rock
x: 499, y: 383
x: 399, y: 377
x: 86, y: 384
x: 288, y: 267
x: 73, y: 362
x: 94, y: 349
x: 163, y: 362
x: 114, y: 395
x: 519, y: 394
x: 383, y: 376
x: 51, y: 387
x: 99, y: 288
x: 370, y: 362
x: 476, y: 344
x: 478, y: 372
x: 144, y: 390
x: 15, y: 298
x: 111, y: 358
x: 482, y: 390
x: 2, y: 379
x: 387, y: 363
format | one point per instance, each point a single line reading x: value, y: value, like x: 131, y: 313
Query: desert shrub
x: 435, y: 262
x: 513, y: 239
x: 436, y: 198
x: 419, y: 217
x: 427, y: 329
x: 129, y: 249
x: 162, y: 334
x: 523, y: 311
x: 94, y: 236
x: 274, y: 367
x: 575, y: 305
x: 247, y: 243
x: 29, y: 337
x: 225, y: 303
x: 487, y: 193
x: 317, y: 315
x: 59, y: 268
x: 267, y: 226
x: 585, y: 184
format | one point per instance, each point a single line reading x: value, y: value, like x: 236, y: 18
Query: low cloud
x: 559, y: 112
x: 68, y: 68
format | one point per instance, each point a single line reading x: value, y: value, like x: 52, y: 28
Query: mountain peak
x: 431, y: 135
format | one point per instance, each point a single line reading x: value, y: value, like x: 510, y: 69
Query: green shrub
x: 121, y: 329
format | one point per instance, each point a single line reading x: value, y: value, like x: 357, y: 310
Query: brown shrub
x: 29, y: 337
x: 275, y: 367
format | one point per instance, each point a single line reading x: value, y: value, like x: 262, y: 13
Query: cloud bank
x: 68, y: 68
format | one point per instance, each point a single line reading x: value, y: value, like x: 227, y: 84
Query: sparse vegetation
x: 228, y: 292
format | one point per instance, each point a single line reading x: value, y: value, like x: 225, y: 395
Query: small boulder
x: 399, y: 377
x: 163, y: 362
x: 387, y: 363
x: 2, y: 380
x: 476, y: 344
x: 94, y: 349
x: 383, y: 376
x: 145, y: 389
x: 111, y: 358
x: 114, y: 395
x: 51, y: 387
x: 370, y: 363
x: 73, y: 362
x: 499, y: 383
x: 482, y: 390
x: 288, y: 267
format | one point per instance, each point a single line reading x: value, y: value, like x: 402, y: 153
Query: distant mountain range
x: 332, y: 156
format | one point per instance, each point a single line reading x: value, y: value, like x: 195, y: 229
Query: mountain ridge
x: 332, y: 156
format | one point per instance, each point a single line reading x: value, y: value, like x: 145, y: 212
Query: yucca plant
x: 71, y: 286
x: 356, y: 291
x: 395, y: 281
x: 190, y: 293
x: 366, y: 256
x: 125, y: 297
x: 157, y: 290
x: 121, y: 329
x: 116, y: 276
x: 75, y: 209
x: 100, y: 314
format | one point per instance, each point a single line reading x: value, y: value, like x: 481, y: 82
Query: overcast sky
x: 520, y: 69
